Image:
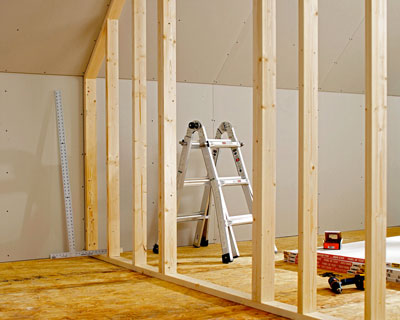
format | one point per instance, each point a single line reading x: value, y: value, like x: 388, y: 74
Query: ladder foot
x: 226, y: 258
x: 204, y: 242
x: 155, y: 248
x: 236, y: 257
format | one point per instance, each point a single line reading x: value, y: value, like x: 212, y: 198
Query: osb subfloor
x: 86, y: 288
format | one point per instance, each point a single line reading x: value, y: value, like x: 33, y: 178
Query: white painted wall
x: 31, y: 203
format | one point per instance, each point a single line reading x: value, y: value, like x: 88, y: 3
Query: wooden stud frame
x: 264, y: 149
x: 112, y: 139
x: 308, y: 156
x: 90, y: 151
x: 90, y: 128
x: 139, y: 148
x: 167, y: 205
x: 264, y: 146
x: 375, y: 157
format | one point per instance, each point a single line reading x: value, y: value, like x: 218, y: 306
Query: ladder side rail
x: 220, y: 206
x: 201, y: 234
x: 222, y: 219
x: 235, y: 249
x: 182, y: 167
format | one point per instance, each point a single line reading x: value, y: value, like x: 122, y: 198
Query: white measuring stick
x: 67, y: 190
x: 65, y: 174
x: 82, y: 253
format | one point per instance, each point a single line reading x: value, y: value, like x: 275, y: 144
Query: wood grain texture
x: 375, y: 157
x: 139, y: 150
x: 275, y: 307
x: 84, y: 288
x: 264, y: 148
x: 167, y: 207
x: 90, y: 145
x: 308, y: 155
x: 204, y: 264
x: 112, y: 139
x: 99, y: 51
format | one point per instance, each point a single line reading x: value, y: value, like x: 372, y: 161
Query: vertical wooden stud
x: 264, y: 148
x: 90, y: 143
x: 375, y: 157
x: 112, y: 139
x: 139, y: 151
x: 167, y: 207
x: 308, y: 155
x: 96, y: 59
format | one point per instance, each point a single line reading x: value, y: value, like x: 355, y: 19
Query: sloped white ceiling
x: 214, y: 40
x: 49, y: 36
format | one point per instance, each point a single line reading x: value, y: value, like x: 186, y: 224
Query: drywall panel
x: 49, y: 36
x: 393, y: 161
x: 286, y: 166
x: 203, y: 42
x: 341, y: 161
x: 347, y: 72
x: 32, y: 216
x: 342, y: 18
x: 214, y: 40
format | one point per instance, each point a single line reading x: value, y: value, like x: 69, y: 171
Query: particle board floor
x: 85, y: 288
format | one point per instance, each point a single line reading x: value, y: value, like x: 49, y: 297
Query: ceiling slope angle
x: 214, y: 40
x: 49, y: 36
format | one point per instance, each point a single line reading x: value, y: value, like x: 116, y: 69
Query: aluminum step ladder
x: 213, y: 182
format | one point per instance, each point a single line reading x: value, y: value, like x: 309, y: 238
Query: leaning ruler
x: 67, y: 190
x: 65, y: 174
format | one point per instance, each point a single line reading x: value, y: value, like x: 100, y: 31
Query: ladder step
x: 223, y: 143
x: 233, y: 181
x: 192, y: 217
x: 241, y: 219
x: 192, y: 182
x: 217, y: 143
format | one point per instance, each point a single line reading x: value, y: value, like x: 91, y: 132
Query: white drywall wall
x: 31, y: 201
x: 32, y: 221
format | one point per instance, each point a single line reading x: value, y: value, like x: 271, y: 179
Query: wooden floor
x: 86, y: 288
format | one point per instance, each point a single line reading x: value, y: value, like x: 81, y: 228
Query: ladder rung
x: 192, y: 217
x: 195, y: 145
x: 191, y: 182
x: 241, y: 219
x: 233, y: 181
x: 223, y: 143
x: 218, y: 143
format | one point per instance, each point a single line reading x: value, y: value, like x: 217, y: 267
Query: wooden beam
x: 308, y: 155
x: 90, y: 151
x: 112, y: 139
x: 264, y: 149
x: 375, y: 157
x: 139, y: 150
x: 167, y: 206
x: 99, y: 51
x: 275, y: 307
